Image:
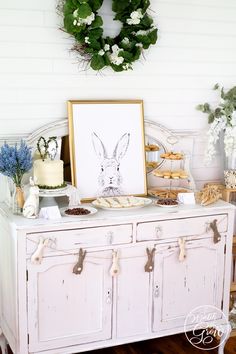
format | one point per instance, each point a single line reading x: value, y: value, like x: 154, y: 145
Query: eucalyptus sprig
x: 226, y: 107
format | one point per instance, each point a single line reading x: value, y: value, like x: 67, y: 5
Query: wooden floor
x: 177, y: 344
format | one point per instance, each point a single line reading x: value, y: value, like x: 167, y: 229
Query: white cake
x: 49, y: 173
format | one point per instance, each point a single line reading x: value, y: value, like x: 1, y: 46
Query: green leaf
x: 94, y: 44
x: 218, y: 112
x: 216, y: 87
x: 137, y: 53
x: 95, y: 33
x: 98, y: 22
x: 200, y: 107
x: 147, y: 21
x: 211, y: 118
x: 97, y: 62
x: 68, y: 23
x: 206, y: 107
x: 126, y: 55
x: 68, y: 8
x: 120, y: 6
x: 153, y: 36
x: 84, y: 10
x: 95, y: 4
x: 117, y: 68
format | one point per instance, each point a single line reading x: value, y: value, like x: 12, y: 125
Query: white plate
x: 91, y: 209
x: 166, y: 206
x: 146, y: 201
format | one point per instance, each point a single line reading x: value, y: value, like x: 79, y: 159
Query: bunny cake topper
x: 47, y: 148
x: 110, y: 179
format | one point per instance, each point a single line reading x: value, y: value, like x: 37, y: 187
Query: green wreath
x: 81, y: 20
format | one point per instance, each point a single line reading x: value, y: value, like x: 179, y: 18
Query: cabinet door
x: 68, y: 309
x: 133, y: 288
x: 179, y: 287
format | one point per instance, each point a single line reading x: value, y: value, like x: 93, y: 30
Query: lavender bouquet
x: 15, y: 162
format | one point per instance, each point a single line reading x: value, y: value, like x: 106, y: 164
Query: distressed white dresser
x: 46, y: 308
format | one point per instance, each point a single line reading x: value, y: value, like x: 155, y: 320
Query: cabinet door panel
x: 179, y: 287
x: 133, y: 294
x: 67, y: 309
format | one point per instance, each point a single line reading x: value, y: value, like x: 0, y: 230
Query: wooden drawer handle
x: 217, y: 236
x: 78, y: 268
x: 182, y: 251
x: 149, y: 266
x: 37, y: 256
x: 114, y: 270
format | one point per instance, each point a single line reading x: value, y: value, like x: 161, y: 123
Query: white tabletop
x: 150, y: 212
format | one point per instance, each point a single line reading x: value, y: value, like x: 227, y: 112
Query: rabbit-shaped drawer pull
x: 217, y: 236
x: 114, y: 270
x: 37, y: 256
x: 182, y: 251
x: 149, y: 266
x: 78, y: 268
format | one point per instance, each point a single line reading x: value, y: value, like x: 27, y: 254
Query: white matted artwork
x: 107, y: 148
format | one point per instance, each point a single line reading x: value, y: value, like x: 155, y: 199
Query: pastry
x: 152, y: 147
x: 166, y: 193
x: 152, y: 164
x: 119, y: 202
x: 172, y: 156
x: 209, y: 195
x: 176, y: 174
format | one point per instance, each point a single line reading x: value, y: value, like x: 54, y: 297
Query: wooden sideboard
x: 46, y: 308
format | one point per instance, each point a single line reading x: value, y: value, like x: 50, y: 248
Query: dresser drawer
x: 196, y: 226
x: 89, y: 237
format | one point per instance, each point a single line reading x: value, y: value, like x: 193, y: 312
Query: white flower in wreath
x: 114, y: 56
x: 75, y: 13
x: 125, y: 41
x: 126, y: 66
x: 135, y: 17
x: 142, y: 33
x: 139, y: 45
x: 107, y: 47
x: 80, y: 21
x: 86, y: 39
x: 101, y: 52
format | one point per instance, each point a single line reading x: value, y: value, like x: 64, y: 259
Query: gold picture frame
x: 107, y: 135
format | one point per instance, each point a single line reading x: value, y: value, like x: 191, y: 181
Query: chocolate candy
x: 77, y: 211
x: 167, y: 201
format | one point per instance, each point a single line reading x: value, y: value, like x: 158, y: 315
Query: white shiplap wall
x: 196, y: 48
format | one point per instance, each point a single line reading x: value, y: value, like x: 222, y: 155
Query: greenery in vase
x: 15, y: 161
x: 221, y: 118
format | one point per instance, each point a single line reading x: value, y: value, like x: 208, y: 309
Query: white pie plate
x: 166, y: 206
x: 146, y: 201
x: 91, y: 209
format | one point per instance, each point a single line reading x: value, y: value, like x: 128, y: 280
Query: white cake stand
x: 48, y: 196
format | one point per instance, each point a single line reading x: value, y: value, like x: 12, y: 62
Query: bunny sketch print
x: 109, y: 178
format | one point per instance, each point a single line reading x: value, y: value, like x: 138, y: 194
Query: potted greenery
x: 14, y: 163
x: 222, y: 120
